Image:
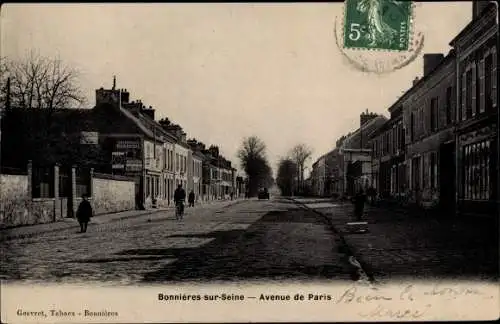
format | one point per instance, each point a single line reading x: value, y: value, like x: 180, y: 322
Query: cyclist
x: 179, y: 198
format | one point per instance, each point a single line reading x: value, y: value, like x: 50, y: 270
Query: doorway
x: 447, y: 181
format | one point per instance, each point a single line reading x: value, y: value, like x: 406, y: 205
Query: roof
x: 479, y: 19
x: 359, y: 138
x: 150, y: 127
x: 326, y: 155
x: 199, y: 155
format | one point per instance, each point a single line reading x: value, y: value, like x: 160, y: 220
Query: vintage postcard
x: 249, y: 162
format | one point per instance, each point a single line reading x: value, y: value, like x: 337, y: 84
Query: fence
x: 42, y: 194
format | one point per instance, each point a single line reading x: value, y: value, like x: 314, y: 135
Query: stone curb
x: 363, y: 269
x: 7, y: 237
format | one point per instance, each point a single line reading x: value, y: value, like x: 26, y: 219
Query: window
x: 164, y: 158
x: 395, y: 134
x: 148, y: 186
x: 488, y: 85
x: 448, y: 109
x: 434, y: 115
x: 158, y: 157
x: 387, y: 139
x: 415, y: 173
x: 402, y: 142
x: 476, y: 171
x: 468, y: 94
x: 433, y: 170
x: 412, y: 127
x: 177, y: 163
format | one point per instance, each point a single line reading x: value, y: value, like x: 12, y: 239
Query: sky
x: 227, y: 71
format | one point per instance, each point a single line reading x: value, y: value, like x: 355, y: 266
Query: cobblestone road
x: 401, y: 247
x: 249, y: 240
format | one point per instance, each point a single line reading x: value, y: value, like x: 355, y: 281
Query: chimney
x: 366, y: 117
x: 478, y: 7
x: 415, y: 80
x: 106, y: 96
x: 431, y: 61
x: 183, y: 137
x: 125, y: 96
x: 150, y: 112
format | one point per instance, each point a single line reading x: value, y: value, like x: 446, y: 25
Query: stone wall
x: 17, y: 207
x: 112, y: 195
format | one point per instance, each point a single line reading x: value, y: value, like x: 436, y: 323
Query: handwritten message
x: 408, y: 302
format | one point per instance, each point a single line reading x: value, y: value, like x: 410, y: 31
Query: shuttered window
x: 494, y: 78
x: 463, y: 90
x: 473, y: 90
x: 481, y: 86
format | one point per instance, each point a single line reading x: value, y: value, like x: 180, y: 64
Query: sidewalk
x: 402, y: 245
x: 66, y: 223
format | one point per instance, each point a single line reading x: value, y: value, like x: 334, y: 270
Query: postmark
x: 379, y: 36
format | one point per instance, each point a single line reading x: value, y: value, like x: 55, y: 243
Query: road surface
x: 249, y: 240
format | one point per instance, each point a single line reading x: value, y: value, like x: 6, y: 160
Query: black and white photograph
x: 213, y: 162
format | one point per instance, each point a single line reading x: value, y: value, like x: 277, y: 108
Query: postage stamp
x: 379, y: 36
x: 382, y: 24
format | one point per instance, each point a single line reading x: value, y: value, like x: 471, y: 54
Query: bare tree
x: 253, y: 161
x: 252, y: 147
x: 43, y: 84
x: 300, y: 153
x: 40, y: 82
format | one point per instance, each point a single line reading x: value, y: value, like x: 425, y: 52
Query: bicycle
x: 179, y: 210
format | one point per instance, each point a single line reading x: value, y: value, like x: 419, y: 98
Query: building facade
x: 353, y: 169
x: 388, y: 156
x: 476, y: 133
x: 428, y: 108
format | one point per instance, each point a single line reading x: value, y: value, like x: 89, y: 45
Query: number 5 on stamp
x: 377, y: 24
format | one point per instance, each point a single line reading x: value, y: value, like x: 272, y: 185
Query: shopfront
x: 477, y: 185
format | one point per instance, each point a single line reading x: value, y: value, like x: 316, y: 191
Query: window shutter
x: 473, y: 91
x: 481, y: 86
x: 464, y: 115
x: 494, y: 97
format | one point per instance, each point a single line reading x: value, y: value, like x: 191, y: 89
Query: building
x: 218, y: 175
x: 428, y: 108
x: 195, y: 173
x: 315, y: 178
x: 323, y: 173
x: 140, y: 148
x: 352, y: 170
x: 241, y: 186
x: 476, y: 134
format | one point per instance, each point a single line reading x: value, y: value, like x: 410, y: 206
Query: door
x: 447, y: 181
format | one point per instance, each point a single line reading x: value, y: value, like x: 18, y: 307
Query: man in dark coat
x: 371, y: 193
x: 84, y: 213
x: 191, y: 199
x: 359, y: 204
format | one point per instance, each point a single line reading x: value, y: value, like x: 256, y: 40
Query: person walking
x: 372, y: 194
x: 179, y: 199
x: 191, y: 199
x: 359, y: 201
x: 232, y: 195
x: 84, y: 213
